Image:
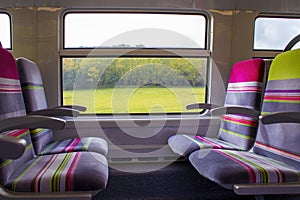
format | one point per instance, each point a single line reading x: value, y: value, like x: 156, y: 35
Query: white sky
x: 5, y: 30
x: 151, y: 30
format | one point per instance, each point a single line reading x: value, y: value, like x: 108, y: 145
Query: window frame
x: 10, y: 29
x: 140, y: 52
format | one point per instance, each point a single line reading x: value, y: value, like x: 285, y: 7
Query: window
x: 5, y: 33
x: 148, y: 62
x: 274, y: 33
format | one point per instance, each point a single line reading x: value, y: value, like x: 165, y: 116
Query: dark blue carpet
x: 178, y: 181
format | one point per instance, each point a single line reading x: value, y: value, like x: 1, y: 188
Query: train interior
x: 135, y: 156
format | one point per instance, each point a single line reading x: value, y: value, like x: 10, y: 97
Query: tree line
x: 94, y: 73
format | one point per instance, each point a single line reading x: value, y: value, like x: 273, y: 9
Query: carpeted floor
x: 178, y: 181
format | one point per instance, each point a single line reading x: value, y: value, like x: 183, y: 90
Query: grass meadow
x: 135, y: 100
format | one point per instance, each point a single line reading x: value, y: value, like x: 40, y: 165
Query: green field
x: 135, y: 100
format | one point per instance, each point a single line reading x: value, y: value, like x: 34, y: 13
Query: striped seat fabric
x: 236, y: 131
x: 275, y: 157
x: 80, y: 171
x: 35, y: 99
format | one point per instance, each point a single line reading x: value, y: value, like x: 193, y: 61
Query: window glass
x: 5, y: 33
x: 89, y: 30
x: 296, y: 46
x: 134, y: 85
x: 117, y: 63
x: 274, y: 33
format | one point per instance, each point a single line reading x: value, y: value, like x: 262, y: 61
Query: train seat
x: 237, y: 131
x: 36, y: 103
x: 23, y: 174
x: 273, y: 165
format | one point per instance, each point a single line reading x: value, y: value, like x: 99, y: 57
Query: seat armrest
x: 235, y: 110
x: 205, y: 106
x: 11, y: 147
x: 75, y: 107
x: 281, y: 117
x: 31, y: 122
x: 267, y: 188
x: 56, y: 112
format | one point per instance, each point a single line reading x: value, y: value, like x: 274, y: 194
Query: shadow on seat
x: 273, y: 165
x: 24, y: 175
x: 36, y: 104
x: 239, y: 123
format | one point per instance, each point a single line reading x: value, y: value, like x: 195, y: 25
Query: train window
x: 134, y: 63
x: 268, y: 34
x: 5, y: 33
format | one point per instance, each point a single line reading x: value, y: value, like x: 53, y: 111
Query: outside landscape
x: 134, y: 85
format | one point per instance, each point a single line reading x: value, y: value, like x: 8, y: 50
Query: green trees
x: 93, y: 73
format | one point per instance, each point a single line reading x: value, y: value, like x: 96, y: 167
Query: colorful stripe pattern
x: 92, y: 144
x: 246, y: 94
x: 12, y: 105
x: 275, y: 157
x: 244, y: 90
x: 35, y: 99
x: 282, y: 94
x: 32, y: 85
x: 234, y: 167
x: 78, y: 171
x: 82, y: 171
x: 236, y: 131
x: 40, y: 138
x: 186, y: 144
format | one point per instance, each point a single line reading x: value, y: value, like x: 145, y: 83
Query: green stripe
x: 48, y: 148
x: 32, y: 87
x: 263, y: 173
x: 7, y: 162
x: 237, y: 134
x: 55, y: 179
x: 200, y: 144
x: 281, y: 101
x: 23, y: 173
x: 87, y: 144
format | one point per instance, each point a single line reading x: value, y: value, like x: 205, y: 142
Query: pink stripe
x: 250, y: 171
x: 214, y: 145
x: 278, y: 172
x: 72, y: 145
x: 242, y: 121
x: 18, y: 132
x: 36, y: 182
x: 278, y: 151
x: 295, y: 98
x: 10, y: 90
x: 70, y: 174
x: 243, y: 90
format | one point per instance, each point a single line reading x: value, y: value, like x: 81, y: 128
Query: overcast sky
x: 275, y: 33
